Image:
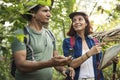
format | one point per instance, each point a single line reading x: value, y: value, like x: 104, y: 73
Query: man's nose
x: 48, y: 14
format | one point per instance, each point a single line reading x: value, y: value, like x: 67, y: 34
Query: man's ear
x: 33, y: 15
x: 85, y: 24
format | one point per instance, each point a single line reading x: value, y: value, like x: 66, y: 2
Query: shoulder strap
x: 72, y: 41
x: 50, y: 34
x: 96, y: 42
x: 52, y: 37
x: 27, y: 42
x: 97, y: 58
x: 27, y: 36
x: 72, y: 44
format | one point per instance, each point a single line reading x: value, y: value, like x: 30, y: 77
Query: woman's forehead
x: 78, y: 16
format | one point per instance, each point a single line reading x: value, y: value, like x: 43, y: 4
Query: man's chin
x: 45, y: 23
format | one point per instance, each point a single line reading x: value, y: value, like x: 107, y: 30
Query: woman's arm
x: 78, y: 61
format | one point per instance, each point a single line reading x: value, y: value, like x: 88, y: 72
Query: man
x: 38, y: 66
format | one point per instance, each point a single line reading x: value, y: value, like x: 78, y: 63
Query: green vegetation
x: 10, y: 11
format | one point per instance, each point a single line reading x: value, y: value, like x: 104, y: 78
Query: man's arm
x: 28, y: 66
x: 24, y: 65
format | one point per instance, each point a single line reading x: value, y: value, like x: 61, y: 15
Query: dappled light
x: 104, y: 16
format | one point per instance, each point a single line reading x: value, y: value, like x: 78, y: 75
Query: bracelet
x: 87, y: 55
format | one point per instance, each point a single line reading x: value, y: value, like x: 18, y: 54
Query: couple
x: 45, y: 53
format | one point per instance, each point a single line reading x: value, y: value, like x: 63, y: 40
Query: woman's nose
x: 77, y: 21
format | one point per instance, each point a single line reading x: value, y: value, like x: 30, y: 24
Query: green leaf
x: 42, y: 2
x: 45, y: 2
x: 20, y: 37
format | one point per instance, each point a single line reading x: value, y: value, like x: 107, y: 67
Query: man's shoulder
x: 19, y: 31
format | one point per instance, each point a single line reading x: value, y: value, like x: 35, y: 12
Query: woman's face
x: 79, y: 23
x: 43, y: 15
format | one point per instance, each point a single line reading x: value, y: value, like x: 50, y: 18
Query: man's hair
x: 28, y: 15
x: 35, y: 9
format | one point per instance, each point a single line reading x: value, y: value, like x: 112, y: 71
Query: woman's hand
x: 96, y: 49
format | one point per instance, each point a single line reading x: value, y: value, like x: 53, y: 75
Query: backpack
x: 28, y: 47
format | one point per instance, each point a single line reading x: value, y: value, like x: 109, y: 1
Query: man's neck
x: 37, y: 26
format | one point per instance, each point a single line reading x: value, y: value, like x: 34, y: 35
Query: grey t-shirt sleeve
x: 17, y: 45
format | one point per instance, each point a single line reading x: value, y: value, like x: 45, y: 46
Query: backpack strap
x: 72, y: 44
x: 96, y: 42
x: 27, y: 42
x: 50, y: 34
x: 97, y: 58
x: 52, y: 37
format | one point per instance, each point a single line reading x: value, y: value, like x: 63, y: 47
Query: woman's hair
x: 88, y: 28
x: 28, y: 15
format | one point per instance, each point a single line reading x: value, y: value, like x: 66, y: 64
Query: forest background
x: 104, y: 16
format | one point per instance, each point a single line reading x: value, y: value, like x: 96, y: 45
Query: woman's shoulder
x: 67, y: 39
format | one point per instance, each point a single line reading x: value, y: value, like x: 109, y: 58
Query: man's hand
x: 69, y: 73
x: 60, y: 60
x: 116, y: 59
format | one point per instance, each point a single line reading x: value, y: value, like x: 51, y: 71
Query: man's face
x: 43, y: 15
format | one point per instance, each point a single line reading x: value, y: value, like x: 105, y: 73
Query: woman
x: 84, y: 59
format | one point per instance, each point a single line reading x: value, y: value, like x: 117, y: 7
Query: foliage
x: 11, y: 10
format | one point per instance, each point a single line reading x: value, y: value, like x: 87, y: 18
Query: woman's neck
x: 81, y: 34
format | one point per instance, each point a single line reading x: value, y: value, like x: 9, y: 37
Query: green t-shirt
x: 42, y: 45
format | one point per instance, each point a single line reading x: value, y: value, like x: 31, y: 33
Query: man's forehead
x: 45, y: 7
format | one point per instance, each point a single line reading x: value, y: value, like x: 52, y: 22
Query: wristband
x: 87, y: 55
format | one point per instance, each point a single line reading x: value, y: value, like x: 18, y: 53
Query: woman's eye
x: 74, y: 20
x: 80, y: 19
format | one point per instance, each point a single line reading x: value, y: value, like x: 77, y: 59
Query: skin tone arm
x: 78, y: 61
x: 24, y: 65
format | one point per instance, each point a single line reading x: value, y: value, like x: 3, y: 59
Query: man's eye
x: 45, y: 10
